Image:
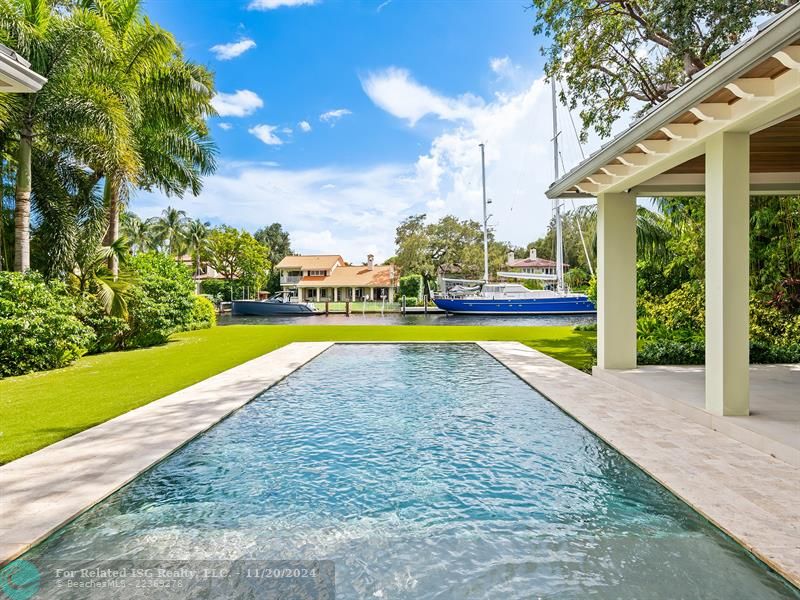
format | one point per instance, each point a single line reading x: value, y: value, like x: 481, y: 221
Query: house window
x: 317, y: 273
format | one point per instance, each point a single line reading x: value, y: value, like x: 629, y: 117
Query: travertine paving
x: 774, y: 422
x: 42, y: 491
x: 750, y: 495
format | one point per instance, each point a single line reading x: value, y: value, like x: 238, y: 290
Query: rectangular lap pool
x: 422, y: 471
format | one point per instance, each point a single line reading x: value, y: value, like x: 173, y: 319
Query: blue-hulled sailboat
x: 485, y: 298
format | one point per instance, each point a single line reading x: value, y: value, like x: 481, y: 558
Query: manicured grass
x: 39, y: 409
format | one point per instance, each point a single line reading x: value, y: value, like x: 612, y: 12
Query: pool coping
x: 43, y: 491
x: 746, y: 493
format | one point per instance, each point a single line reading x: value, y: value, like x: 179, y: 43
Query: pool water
x: 423, y: 471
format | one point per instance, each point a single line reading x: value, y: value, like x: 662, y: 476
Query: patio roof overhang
x: 16, y: 76
x: 754, y: 88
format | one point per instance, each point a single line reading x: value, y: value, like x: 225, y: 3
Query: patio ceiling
x: 755, y: 89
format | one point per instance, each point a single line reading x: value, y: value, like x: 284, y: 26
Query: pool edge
x: 561, y: 384
x: 45, y: 490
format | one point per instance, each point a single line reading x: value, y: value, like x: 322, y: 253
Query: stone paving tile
x: 750, y: 495
x: 42, y: 491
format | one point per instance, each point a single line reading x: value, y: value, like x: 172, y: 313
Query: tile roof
x: 532, y: 262
x: 310, y: 262
x: 354, y: 276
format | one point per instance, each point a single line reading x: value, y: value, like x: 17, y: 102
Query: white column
x: 727, y: 274
x: 371, y: 294
x: 335, y: 294
x: 616, y: 281
x: 317, y: 295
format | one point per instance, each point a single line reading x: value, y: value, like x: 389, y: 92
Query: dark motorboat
x: 273, y: 306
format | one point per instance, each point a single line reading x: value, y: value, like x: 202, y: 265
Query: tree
x: 138, y: 233
x: 237, y: 255
x: 75, y: 112
x: 276, y: 239
x: 197, y: 241
x: 166, y: 102
x: 253, y: 263
x: 449, y: 247
x: 170, y: 229
x: 612, y: 52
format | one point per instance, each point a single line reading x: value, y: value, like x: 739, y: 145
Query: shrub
x: 110, y: 332
x: 576, y: 278
x: 203, y: 314
x: 591, y: 290
x: 411, y: 286
x: 219, y: 288
x: 163, y: 301
x: 767, y: 353
x: 38, y: 326
x: 675, y: 352
x: 672, y: 352
x: 413, y: 301
x: 681, y: 309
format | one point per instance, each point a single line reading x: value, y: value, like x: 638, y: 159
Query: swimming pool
x: 422, y: 471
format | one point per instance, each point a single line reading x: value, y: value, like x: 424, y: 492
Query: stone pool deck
x: 750, y: 495
x: 773, y: 425
x: 747, y: 493
x: 45, y: 490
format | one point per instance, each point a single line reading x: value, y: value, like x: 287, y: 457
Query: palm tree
x: 198, y: 241
x: 653, y: 230
x: 75, y: 112
x: 91, y: 274
x: 166, y: 100
x: 138, y: 233
x: 170, y: 229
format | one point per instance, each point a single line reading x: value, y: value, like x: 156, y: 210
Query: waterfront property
x: 328, y: 278
x: 532, y: 265
x: 732, y: 132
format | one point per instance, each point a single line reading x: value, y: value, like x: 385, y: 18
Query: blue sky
x: 338, y: 119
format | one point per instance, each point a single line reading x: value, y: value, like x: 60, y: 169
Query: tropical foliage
x: 121, y: 109
x: 39, y: 328
x: 611, y: 53
x: 448, y: 247
x: 236, y: 254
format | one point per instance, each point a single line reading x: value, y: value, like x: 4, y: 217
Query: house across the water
x: 532, y: 265
x: 327, y: 277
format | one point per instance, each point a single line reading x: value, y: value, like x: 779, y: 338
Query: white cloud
x: 273, y: 4
x: 334, y: 115
x: 304, y: 126
x: 383, y: 5
x: 328, y: 210
x: 232, y: 50
x: 353, y: 211
x: 287, y: 130
x: 266, y: 133
x: 396, y: 92
x: 500, y: 65
x: 225, y: 126
x: 239, y: 104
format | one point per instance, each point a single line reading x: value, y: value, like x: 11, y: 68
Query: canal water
x: 411, y: 319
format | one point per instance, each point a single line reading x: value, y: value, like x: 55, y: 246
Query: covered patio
x: 732, y: 132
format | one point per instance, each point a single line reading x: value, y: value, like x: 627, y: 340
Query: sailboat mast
x: 485, y: 220
x: 556, y: 201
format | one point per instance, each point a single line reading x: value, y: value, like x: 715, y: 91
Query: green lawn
x: 39, y: 409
